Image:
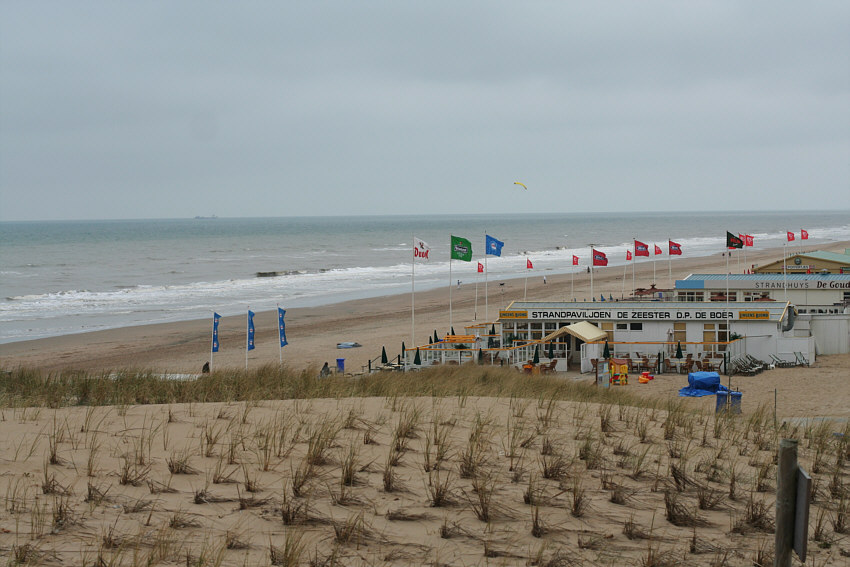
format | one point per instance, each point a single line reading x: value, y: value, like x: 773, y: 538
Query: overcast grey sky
x: 177, y: 109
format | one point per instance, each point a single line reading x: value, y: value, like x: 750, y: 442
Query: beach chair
x: 548, y: 368
x: 782, y: 363
x: 801, y: 360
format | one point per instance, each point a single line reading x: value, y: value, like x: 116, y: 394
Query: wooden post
x: 786, y: 500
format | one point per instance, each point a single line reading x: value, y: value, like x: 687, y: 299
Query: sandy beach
x: 458, y: 480
x: 313, y: 333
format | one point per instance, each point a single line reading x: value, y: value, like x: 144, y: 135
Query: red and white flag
x: 675, y: 248
x: 599, y: 258
x: 528, y: 264
x: 658, y: 250
x: 804, y: 234
x: 790, y: 236
x: 575, y: 260
x: 421, y: 250
x: 628, y: 255
x: 480, y: 268
x: 748, y: 240
x: 641, y: 249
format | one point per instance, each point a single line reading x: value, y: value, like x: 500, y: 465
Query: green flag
x: 461, y: 249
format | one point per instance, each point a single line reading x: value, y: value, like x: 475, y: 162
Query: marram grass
x: 28, y: 387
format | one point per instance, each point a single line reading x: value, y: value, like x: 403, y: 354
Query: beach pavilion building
x: 821, y: 300
x: 653, y: 331
x: 808, y: 262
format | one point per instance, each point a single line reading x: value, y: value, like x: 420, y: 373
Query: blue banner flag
x: 250, y: 330
x: 216, y: 318
x: 280, y: 315
x: 493, y: 246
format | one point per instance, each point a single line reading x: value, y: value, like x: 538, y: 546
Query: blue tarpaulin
x: 703, y: 384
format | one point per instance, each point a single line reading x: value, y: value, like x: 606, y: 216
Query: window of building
x: 721, y: 296
x: 679, y: 333
x: 636, y: 326
x: 691, y: 296
x: 755, y: 295
x: 622, y: 326
x: 609, y: 330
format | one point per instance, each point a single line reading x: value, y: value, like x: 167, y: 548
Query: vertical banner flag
x: 461, y: 249
x: 790, y: 236
x: 216, y: 318
x: 748, y: 240
x: 641, y: 249
x: 493, y: 245
x: 480, y: 268
x: 575, y: 260
x: 733, y: 241
x: 658, y: 250
x: 804, y: 235
x: 528, y: 264
x: 675, y: 248
x: 420, y: 249
x: 250, y: 330
x: 281, y: 326
x: 628, y: 255
x: 599, y: 258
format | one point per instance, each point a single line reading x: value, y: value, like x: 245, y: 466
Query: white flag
x: 421, y: 250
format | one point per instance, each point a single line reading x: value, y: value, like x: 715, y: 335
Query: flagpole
x: 413, y: 294
x: 634, y: 261
x: 670, y: 263
x: 525, y: 291
x: 279, y: 347
x: 475, y: 312
x: 573, y: 283
x: 451, y: 285
x: 653, y: 262
x: 784, y: 271
x: 247, y: 327
x: 486, y: 276
x: 591, y: 271
x: 212, y: 344
x: 623, y: 292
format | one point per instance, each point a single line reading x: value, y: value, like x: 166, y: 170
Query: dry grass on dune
x: 29, y: 387
x: 462, y: 468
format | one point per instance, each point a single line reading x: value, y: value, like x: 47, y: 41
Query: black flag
x: 733, y: 241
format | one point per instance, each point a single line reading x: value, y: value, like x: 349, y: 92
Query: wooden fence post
x: 786, y: 500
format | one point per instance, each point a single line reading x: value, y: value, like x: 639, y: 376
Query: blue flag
x: 280, y: 314
x: 493, y: 246
x: 216, y: 317
x: 250, y: 330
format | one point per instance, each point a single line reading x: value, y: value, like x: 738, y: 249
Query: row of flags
x: 249, y: 339
x: 461, y: 249
x: 742, y: 240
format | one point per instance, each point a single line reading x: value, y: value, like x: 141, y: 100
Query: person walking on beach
x: 544, y: 280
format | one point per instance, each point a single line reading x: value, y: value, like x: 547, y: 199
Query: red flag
x: 675, y: 248
x: 628, y: 255
x: 480, y: 268
x: 575, y: 260
x: 790, y: 236
x: 528, y: 265
x: 599, y: 258
x: 641, y: 249
x: 808, y: 270
x: 804, y: 235
x: 658, y: 250
x: 748, y: 240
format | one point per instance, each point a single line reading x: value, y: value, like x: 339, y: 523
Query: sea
x: 64, y: 277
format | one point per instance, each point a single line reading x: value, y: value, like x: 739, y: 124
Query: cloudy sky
x: 177, y: 109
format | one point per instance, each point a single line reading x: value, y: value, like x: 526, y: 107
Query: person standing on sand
x: 325, y: 371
